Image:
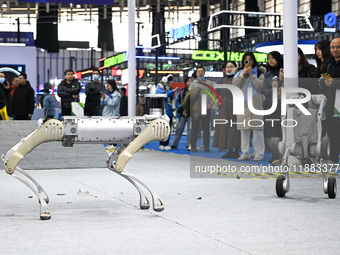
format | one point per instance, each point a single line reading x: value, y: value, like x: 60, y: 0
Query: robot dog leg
x: 156, y: 131
x: 132, y: 133
x: 52, y: 130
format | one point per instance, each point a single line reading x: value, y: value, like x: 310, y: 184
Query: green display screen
x: 209, y: 55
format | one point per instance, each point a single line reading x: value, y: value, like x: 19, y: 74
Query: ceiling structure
x: 30, y: 9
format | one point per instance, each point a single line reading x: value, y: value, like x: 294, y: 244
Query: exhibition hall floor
x: 95, y: 211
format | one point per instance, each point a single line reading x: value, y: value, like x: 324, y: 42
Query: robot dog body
x: 131, y: 133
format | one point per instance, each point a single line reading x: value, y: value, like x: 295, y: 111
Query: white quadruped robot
x: 131, y: 133
x: 308, y: 145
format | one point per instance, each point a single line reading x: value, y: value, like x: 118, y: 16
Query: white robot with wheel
x: 308, y: 145
x: 131, y: 133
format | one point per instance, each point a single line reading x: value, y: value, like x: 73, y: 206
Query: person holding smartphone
x: 250, y: 75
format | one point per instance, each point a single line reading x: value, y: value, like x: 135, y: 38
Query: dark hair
x: 194, y: 75
x: 186, y: 80
x: 279, y: 59
x: 303, y: 61
x: 24, y: 75
x: 95, y: 69
x: 225, y: 64
x: 324, y: 46
x: 248, y: 53
x: 124, y: 90
x: 68, y: 71
x: 47, y: 90
x: 113, y: 84
x: 201, y: 67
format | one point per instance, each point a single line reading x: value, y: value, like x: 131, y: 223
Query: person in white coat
x: 111, y: 99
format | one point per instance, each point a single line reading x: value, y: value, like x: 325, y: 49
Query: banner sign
x: 12, y: 37
x: 181, y: 32
x: 209, y: 55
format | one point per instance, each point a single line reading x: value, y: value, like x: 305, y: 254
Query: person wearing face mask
x: 93, y: 94
x: 196, y: 116
x: 227, y: 137
x: 5, y: 88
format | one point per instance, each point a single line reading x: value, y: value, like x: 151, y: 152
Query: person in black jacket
x: 123, y: 103
x: 23, y: 100
x: 5, y: 89
x: 329, y: 87
x: 306, y: 71
x: 93, y: 91
x: 68, y: 91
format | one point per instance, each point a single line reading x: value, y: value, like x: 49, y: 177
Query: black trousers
x: 332, y: 128
x: 66, y: 111
x: 166, y: 142
x: 204, y: 120
x: 21, y: 117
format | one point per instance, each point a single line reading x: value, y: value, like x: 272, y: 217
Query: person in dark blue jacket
x: 164, y: 87
x: 49, y: 104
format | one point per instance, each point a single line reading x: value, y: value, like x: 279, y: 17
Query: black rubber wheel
x: 331, y: 187
x: 280, y: 192
x: 325, y: 148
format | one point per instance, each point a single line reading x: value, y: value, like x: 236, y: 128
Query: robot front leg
x: 41, y: 191
x: 45, y: 212
x: 52, y: 130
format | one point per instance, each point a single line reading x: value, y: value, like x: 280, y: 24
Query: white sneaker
x: 161, y: 148
x: 167, y: 148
